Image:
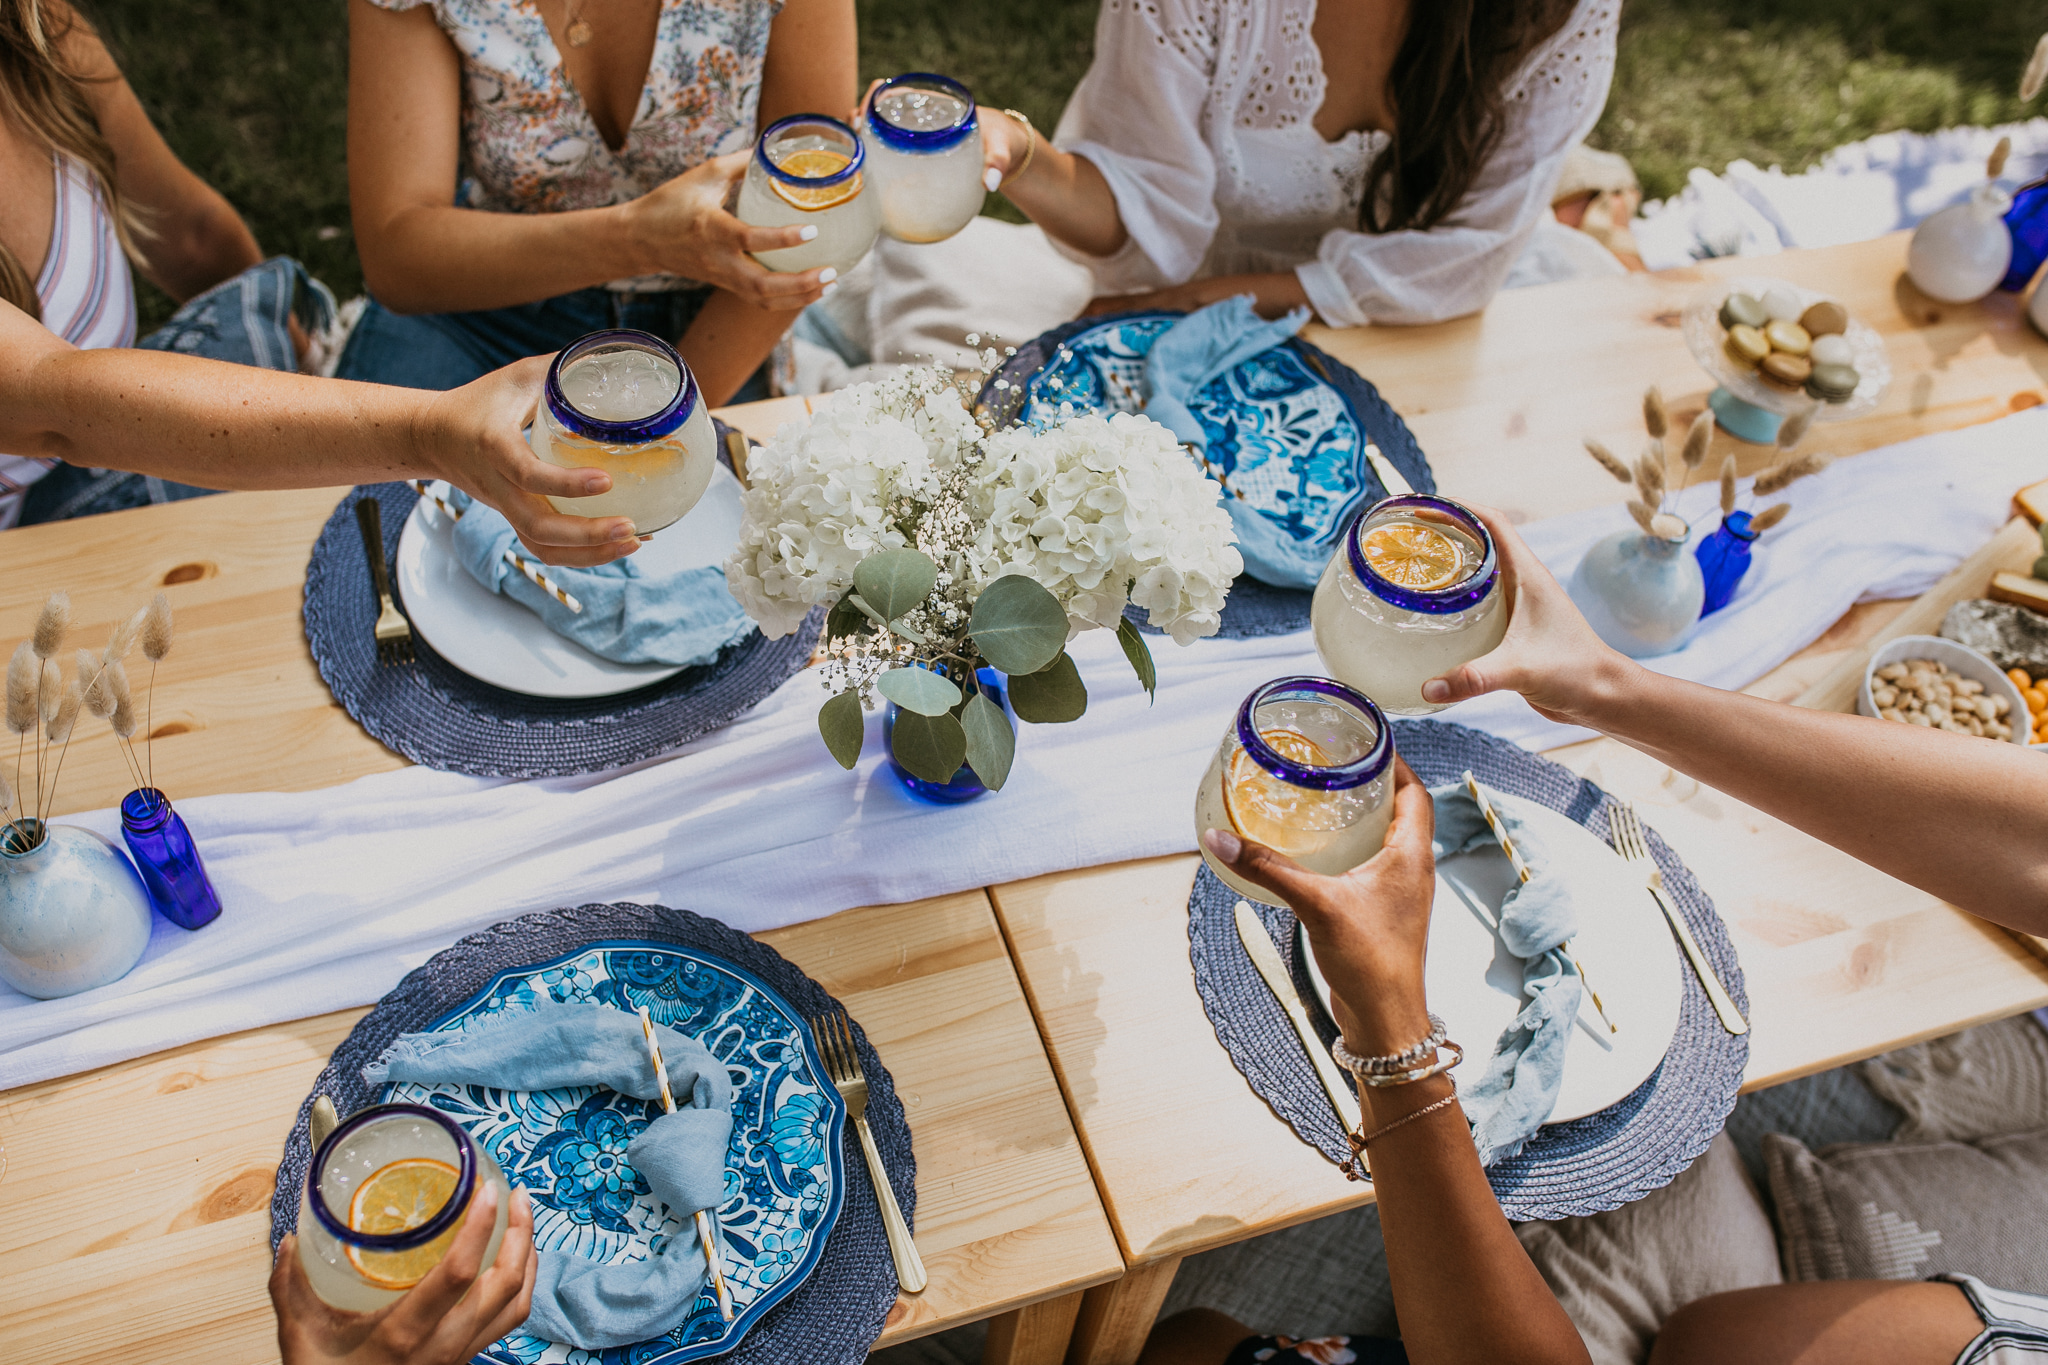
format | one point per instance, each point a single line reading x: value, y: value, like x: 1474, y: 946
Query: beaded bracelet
x: 1404, y: 1060
x: 1436, y: 1067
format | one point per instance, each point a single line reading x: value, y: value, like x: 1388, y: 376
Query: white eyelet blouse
x: 1199, y: 114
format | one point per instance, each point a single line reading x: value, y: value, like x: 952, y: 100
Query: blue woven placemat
x: 437, y: 715
x: 1598, y: 1162
x: 835, y: 1316
x: 1253, y: 608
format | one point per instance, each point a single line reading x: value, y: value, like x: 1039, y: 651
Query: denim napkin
x: 1518, y: 1089
x: 627, y: 617
x: 681, y: 1156
x: 1185, y: 359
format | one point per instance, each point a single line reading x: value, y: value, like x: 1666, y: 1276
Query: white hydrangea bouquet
x: 941, y: 547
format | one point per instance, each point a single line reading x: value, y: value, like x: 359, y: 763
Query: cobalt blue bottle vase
x: 168, y: 859
x: 963, y: 785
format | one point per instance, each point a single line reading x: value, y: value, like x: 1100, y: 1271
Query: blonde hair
x: 46, y: 100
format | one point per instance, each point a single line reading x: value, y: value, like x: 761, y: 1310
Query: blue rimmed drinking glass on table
x: 624, y: 402
x: 1305, y: 768
x: 1414, y: 593
x: 924, y: 156
x: 808, y: 170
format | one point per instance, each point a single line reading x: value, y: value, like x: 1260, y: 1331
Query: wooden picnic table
x: 135, y: 1199
x: 1841, y: 961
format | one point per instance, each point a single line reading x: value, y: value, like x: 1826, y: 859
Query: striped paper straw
x: 706, y: 1238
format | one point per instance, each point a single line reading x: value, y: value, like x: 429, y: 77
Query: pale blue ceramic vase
x: 1641, y: 593
x: 73, y: 911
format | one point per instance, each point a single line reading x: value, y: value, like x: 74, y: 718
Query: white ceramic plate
x: 1475, y: 984
x: 496, y: 640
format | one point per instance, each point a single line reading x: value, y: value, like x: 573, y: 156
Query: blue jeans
x: 448, y: 350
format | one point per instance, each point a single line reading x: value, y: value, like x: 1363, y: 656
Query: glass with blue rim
x: 623, y: 401
x: 924, y: 156
x: 168, y: 859
x: 1306, y: 768
x: 1442, y: 606
x: 809, y: 170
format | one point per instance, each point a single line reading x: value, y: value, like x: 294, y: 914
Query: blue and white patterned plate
x: 567, y: 1148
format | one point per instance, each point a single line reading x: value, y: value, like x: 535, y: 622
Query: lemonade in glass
x: 624, y: 402
x: 385, y: 1195
x: 924, y: 156
x: 1306, y: 769
x: 810, y: 171
x: 1414, y: 593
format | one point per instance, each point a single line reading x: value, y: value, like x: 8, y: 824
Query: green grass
x: 252, y: 93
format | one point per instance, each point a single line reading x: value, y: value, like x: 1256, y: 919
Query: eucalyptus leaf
x: 844, y: 727
x: 1051, y: 696
x: 916, y: 637
x: 920, y: 690
x: 895, y: 581
x: 1140, y: 655
x: 845, y: 619
x: 991, y: 743
x: 864, y: 609
x: 930, y: 747
x: 1017, y: 625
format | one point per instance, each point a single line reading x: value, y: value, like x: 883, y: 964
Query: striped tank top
x: 87, y: 296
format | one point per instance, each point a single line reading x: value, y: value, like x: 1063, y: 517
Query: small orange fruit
x: 1413, y: 556
x: 812, y: 164
x: 1260, y: 806
x: 398, y: 1197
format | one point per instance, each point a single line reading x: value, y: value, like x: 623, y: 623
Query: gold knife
x: 1390, y: 477
x: 1259, y: 944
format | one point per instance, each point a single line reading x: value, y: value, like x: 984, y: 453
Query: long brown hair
x: 1449, y: 96
x: 46, y: 100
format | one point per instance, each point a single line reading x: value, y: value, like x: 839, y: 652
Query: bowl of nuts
x: 1928, y: 681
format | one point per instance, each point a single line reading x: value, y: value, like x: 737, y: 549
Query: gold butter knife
x: 1259, y: 944
x: 1390, y: 477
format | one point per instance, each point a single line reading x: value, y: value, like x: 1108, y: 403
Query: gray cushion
x: 1981, y: 1082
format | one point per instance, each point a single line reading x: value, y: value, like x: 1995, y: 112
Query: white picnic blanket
x: 331, y: 896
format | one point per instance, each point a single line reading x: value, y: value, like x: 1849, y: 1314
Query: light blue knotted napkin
x: 1518, y: 1089
x: 1185, y: 359
x: 627, y: 617
x: 681, y: 1156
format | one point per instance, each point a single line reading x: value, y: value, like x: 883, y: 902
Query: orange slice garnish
x: 814, y: 163
x: 1261, y: 807
x: 1412, y: 556
x: 395, y: 1198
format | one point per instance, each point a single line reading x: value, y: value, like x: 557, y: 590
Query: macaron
x: 1788, y: 337
x: 1832, y: 383
x: 1782, y: 304
x: 1747, y: 344
x: 1832, y: 348
x: 1743, y: 310
x: 1786, y: 371
x: 1825, y: 319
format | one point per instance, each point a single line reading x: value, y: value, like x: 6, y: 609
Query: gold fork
x: 1625, y: 831
x: 842, y: 1064
x: 394, y: 632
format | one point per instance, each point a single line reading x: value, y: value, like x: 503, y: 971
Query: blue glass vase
x: 1724, y: 559
x: 964, y: 785
x: 2027, y: 220
x: 168, y: 859
x: 1641, y: 593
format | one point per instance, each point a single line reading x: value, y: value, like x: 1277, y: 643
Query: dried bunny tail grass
x: 1728, y: 486
x: 1656, y: 420
x: 156, y: 628
x: 51, y: 623
x: 1793, y: 429
x: 1699, y: 437
x: 1609, y: 461
x: 124, y: 702
x: 2037, y: 71
x: 50, y: 692
x: 95, y: 684
x: 1994, y: 166
x: 1788, y: 472
x: 24, y: 677
x: 1650, y: 476
x: 67, y: 714
x: 1770, y: 517
x: 1645, y: 515
x: 123, y: 638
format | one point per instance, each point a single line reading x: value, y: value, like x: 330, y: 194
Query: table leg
x: 1036, y: 1334
x: 1116, y: 1317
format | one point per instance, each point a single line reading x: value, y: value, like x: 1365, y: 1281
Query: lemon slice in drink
x: 1412, y: 556
x: 1260, y: 806
x: 812, y: 164
x: 397, y: 1197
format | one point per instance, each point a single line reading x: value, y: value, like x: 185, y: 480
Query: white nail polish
x: 828, y: 274
x: 807, y: 234
x: 992, y: 178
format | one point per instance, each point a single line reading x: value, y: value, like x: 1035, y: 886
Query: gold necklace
x: 576, y: 27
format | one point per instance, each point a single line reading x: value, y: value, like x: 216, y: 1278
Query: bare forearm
x: 206, y: 246
x: 727, y: 342
x: 444, y: 260
x: 1064, y: 194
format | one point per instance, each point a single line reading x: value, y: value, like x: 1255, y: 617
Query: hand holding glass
x: 810, y: 171
x: 924, y: 156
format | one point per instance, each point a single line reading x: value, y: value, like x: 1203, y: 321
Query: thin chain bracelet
x: 1405, y: 1060
x: 1354, y: 1168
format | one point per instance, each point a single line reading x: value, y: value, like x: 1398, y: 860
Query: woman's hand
x: 684, y: 228
x: 1005, y: 146
x: 1550, y: 655
x: 1370, y: 927
x: 1273, y: 294
x: 445, y: 1319
x: 470, y: 437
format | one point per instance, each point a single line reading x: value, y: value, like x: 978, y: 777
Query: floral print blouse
x: 530, y: 146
